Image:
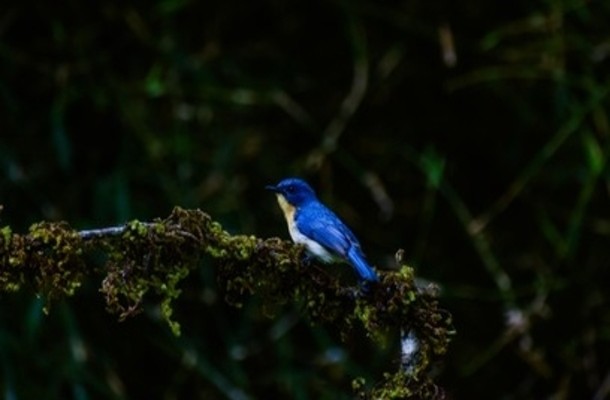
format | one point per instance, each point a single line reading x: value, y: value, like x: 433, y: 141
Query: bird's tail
x: 364, y: 270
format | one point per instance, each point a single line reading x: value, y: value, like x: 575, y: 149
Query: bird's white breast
x: 312, y: 246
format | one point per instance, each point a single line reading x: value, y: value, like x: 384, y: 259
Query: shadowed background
x: 470, y: 134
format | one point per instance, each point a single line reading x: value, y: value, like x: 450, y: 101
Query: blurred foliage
x: 471, y: 134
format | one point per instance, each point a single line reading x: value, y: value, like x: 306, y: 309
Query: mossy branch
x: 144, y: 258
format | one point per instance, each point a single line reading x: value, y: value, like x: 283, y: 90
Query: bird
x: 319, y: 229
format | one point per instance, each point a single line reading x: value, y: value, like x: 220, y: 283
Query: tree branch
x: 154, y: 257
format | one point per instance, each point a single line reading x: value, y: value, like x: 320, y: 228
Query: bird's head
x: 294, y: 191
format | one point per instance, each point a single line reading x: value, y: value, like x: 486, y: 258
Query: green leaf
x: 595, y: 156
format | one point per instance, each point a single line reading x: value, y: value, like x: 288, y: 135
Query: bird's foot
x: 307, y: 260
x: 363, y: 289
x: 352, y: 293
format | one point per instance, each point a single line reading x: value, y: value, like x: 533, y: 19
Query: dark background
x: 472, y: 134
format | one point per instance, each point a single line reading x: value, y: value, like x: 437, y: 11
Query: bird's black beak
x: 273, y: 188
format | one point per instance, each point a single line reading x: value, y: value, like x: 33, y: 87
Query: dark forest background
x: 474, y: 135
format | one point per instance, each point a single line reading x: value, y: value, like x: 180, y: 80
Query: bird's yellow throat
x: 287, y: 208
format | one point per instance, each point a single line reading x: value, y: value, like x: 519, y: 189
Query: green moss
x: 12, y: 255
x: 55, y: 265
x: 148, y: 261
x: 400, y: 385
x: 5, y: 234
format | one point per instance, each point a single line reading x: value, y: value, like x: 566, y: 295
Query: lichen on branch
x: 144, y: 261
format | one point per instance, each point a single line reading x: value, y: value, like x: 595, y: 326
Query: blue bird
x: 319, y: 229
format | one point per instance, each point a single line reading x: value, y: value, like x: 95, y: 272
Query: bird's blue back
x: 320, y: 224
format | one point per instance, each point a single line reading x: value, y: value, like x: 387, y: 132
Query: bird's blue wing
x: 323, y: 226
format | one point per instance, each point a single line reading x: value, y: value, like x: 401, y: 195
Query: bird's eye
x: 290, y: 189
